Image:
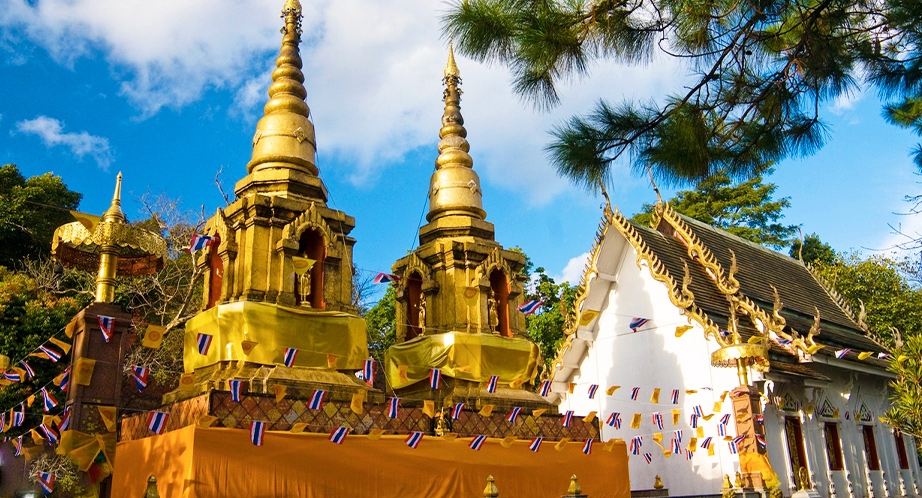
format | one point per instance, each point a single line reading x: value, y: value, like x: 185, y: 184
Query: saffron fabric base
x: 196, y: 462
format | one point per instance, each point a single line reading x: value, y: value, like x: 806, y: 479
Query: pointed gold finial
x: 490, y: 491
x: 114, y: 213
x: 451, y: 69
x: 574, y: 489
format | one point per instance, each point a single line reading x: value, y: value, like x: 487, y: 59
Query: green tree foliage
x: 547, y: 326
x: 28, y: 216
x: 905, y: 412
x: 813, y: 251
x: 759, y: 73
x: 381, y: 323
x: 745, y: 208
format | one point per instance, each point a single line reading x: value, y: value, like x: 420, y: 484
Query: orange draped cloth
x: 197, y: 462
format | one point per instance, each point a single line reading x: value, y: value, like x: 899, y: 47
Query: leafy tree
x: 30, y: 210
x: 905, y: 413
x: 546, y: 327
x: 813, y: 251
x: 759, y: 73
x: 745, y: 209
x: 381, y: 323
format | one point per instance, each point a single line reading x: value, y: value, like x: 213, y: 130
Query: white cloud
x: 51, y: 131
x: 845, y: 104
x: 573, y: 271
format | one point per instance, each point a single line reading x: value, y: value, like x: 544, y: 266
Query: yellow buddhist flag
x: 89, y: 221
x: 30, y: 400
x: 590, y: 417
x: 723, y: 396
x: 450, y: 436
x: 280, y: 391
x: 486, y: 411
x: 611, y: 390
x: 609, y: 445
x: 463, y: 368
x: 814, y: 348
x: 50, y: 419
x: 402, y: 372
x: 153, y: 336
x: 375, y: 434
x: 248, y: 346
x: 187, y: 382
x: 65, y: 346
x: 470, y: 295
x: 635, y: 421
x: 507, y: 441
x: 901, y: 358
x: 699, y: 432
x: 429, y: 408
x: 587, y: 316
x: 570, y: 387
x: 654, y: 398
x: 711, y: 450
x: 298, y: 427
x: 108, y: 416
x: 331, y: 360
x: 561, y: 444
x: 682, y: 329
x: 755, y: 339
x: 83, y: 371
x: 865, y: 355
x: 658, y: 438
x: 358, y: 402
x: 718, y: 406
x: 517, y: 383
x: 691, y: 391
x: 302, y: 265
x: 728, y: 438
x: 835, y: 413
x: 708, y: 417
x: 206, y: 420
x: 537, y: 413
x: 676, y: 416
x: 36, y: 437
x: 692, y: 444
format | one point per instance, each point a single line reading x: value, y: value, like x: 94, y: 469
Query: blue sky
x: 169, y: 92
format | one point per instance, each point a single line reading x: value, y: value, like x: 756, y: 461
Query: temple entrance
x: 414, y: 299
x: 498, y: 303
x: 797, y: 454
x: 311, y: 246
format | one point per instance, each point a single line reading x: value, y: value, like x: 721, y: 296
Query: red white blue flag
x: 18, y: 445
x: 235, y: 387
x: 536, y: 444
x: 289, y: 358
x: 435, y: 378
x: 734, y: 444
x: 694, y: 421
x: 339, y: 435
x: 513, y: 414
x: 29, y: 372
x: 20, y: 416
x: 634, y: 393
x: 456, y: 411
x: 491, y: 384
x: 636, y: 443
x: 636, y: 323
x: 65, y: 420
x: 477, y: 442
x: 393, y: 405
x: 707, y: 442
x: 675, y: 396
x: 46, y: 480
x: 204, y: 343
x: 567, y: 417
x: 760, y: 439
x: 316, y: 401
x: 156, y: 422
x: 140, y: 375
x: 676, y: 446
x: 257, y: 432
x: 721, y: 430
x: 760, y: 418
x: 199, y: 242
x: 587, y: 446
x: 592, y: 389
x: 545, y: 388
x: 51, y: 353
x: 678, y: 435
x: 384, y: 278
x: 657, y: 419
x: 368, y: 371
x: 689, y: 454
x: 65, y: 380
x: 12, y: 376
x: 413, y: 439
x: 50, y: 434
x: 614, y: 420
x: 725, y: 419
x: 648, y: 457
x: 529, y: 307
x: 106, y: 326
x: 842, y: 352
x: 50, y: 401
x: 698, y: 411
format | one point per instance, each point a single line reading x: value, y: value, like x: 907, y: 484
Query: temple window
x: 833, y: 446
x: 795, y: 440
x: 870, y: 447
x: 498, y: 303
x: 901, y: 450
x: 309, y: 287
x: 414, y: 297
x: 215, y: 272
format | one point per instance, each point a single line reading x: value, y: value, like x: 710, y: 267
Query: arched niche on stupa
x: 217, y: 261
x: 498, y: 278
x: 415, y: 290
x: 307, y: 236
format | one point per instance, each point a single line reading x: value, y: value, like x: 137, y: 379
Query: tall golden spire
x: 285, y: 135
x: 114, y: 214
x: 455, y: 187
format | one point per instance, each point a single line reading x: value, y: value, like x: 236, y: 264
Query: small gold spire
x: 451, y: 69
x: 114, y: 213
x: 490, y: 490
x: 575, y: 489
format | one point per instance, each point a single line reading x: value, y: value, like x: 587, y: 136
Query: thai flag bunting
x: 678, y: 435
x: 587, y: 446
x: 257, y: 432
x: 491, y: 384
x: 675, y: 396
x: 614, y: 420
x: 65, y: 420
x: 707, y: 442
x: 513, y: 414
x: 676, y: 446
x: 106, y: 326
x: 760, y: 418
x: 636, y: 443
x: 50, y: 434
x: 725, y: 419
x: 29, y: 372
x: 235, y: 386
x: 50, y: 401
x: 881, y: 356
x: 734, y: 449
x: 567, y: 417
x: 368, y: 371
x: 783, y: 341
x: 634, y: 392
x: 339, y: 435
x: 18, y: 444
x: 393, y: 405
x: 19, y: 417
x: 46, y: 480
x: 65, y: 380
x: 12, y: 376
x: 847, y: 416
x: 156, y: 422
x: 842, y: 352
x: 316, y: 401
x: 435, y: 378
x: 721, y: 430
x: 648, y: 457
x: 204, y: 343
x: 698, y: 411
x: 688, y: 454
x: 413, y: 439
x: 657, y: 418
x: 289, y: 358
x: 52, y: 355
x: 384, y: 278
x: 592, y: 389
x: 456, y: 411
x: 140, y: 375
x: 693, y: 422
x: 477, y: 442
x: 536, y: 444
x: 530, y: 307
x: 199, y: 242
x: 760, y: 439
x: 707, y: 388
x: 545, y: 388
x: 636, y: 323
